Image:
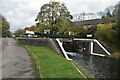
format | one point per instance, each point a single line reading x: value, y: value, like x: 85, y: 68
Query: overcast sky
x: 22, y: 13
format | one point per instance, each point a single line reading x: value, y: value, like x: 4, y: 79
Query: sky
x: 22, y: 13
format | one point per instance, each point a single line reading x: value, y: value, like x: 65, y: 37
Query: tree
x: 79, y: 30
x: 64, y: 26
x: 101, y: 14
x: 109, y: 10
x: 84, y: 16
x: 19, y: 32
x: 108, y: 14
x: 106, y: 19
x: 50, y: 14
x: 117, y: 12
x: 116, y: 8
x: 92, y: 30
x: 105, y: 33
x: 32, y: 28
x: 5, y: 27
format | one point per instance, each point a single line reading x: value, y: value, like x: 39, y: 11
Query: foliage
x: 79, y: 30
x: 19, y: 32
x: 117, y: 27
x: 32, y: 28
x: 110, y: 33
x: 64, y: 26
x: 5, y: 27
x: 52, y: 14
x: 106, y: 20
x: 38, y: 29
x: 115, y: 55
x: 92, y: 29
x: 111, y: 10
x: 106, y: 33
x: 116, y: 8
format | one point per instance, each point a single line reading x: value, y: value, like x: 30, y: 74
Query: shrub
x: 106, y: 33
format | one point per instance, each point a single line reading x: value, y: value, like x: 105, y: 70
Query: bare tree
x: 84, y: 16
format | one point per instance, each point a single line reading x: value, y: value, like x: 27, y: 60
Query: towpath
x: 16, y: 61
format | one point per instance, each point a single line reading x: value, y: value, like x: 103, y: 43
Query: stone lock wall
x: 47, y: 42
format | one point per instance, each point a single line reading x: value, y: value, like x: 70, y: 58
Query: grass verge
x: 114, y: 55
x: 51, y: 65
x: 84, y: 71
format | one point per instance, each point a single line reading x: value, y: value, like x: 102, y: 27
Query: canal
x: 99, y: 67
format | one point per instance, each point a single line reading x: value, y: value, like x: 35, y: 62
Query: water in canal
x: 100, y: 67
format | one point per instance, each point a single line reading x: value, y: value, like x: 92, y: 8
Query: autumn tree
x: 105, y: 33
x: 51, y: 14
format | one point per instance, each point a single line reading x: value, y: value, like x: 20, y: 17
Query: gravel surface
x: 16, y: 62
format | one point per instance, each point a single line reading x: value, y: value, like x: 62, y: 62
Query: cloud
x: 22, y: 13
x: 19, y: 15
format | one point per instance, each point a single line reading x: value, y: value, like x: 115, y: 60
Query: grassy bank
x: 52, y: 65
x: 114, y: 55
x: 84, y: 71
x: 114, y: 48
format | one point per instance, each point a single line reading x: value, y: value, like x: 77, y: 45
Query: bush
x: 92, y: 30
x: 106, y: 33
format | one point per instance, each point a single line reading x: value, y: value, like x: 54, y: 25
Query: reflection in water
x: 100, y: 67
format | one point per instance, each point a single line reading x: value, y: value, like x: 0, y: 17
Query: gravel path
x: 16, y: 62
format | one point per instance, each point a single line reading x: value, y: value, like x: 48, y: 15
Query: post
x: 91, y: 47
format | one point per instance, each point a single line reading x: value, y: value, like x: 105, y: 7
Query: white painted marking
x: 79, y: 71
x: 91, y: 52
x: 64, y: 52
x: 89, y: 35
x: 29, y: 32
x: 94, y: 40
x: 91, y: 47
x: 85, y: 39
x: 102, y: 47
x: 97, y: 54
x: 71, y: 53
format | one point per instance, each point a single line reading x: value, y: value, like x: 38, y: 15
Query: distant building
x: 93, y: 21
